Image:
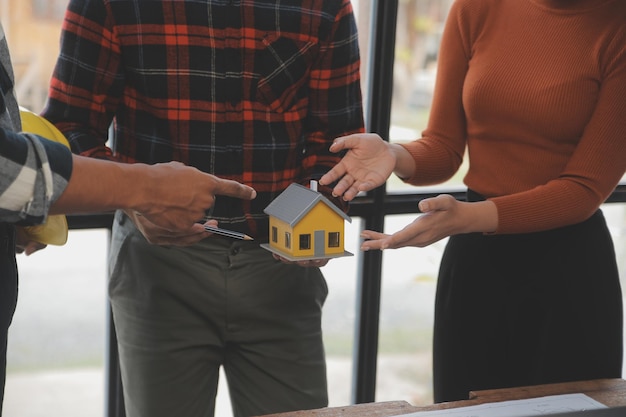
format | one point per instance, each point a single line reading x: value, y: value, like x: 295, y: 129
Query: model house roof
x: 295, y: 202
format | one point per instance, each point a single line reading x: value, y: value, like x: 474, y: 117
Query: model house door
x: 319, y: 243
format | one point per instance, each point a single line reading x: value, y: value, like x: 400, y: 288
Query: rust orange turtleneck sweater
x: 536, y: 90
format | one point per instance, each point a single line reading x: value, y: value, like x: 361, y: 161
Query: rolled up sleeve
x: 35, y: 172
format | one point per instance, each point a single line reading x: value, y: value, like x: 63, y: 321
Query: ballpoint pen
x: 227, y: 233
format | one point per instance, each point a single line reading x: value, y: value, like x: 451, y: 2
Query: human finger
x: 33, y: 247
x: 340, y: 171
x: 161, y: 234
x: 344, y: 184
x: 308, y: 263
x: 334, y: 174
x: 345, y: 142
x: 235, y: 189
x: 356, y: 187
x: 313, y: 263
x: 374, y: 240
x: 30, y: 247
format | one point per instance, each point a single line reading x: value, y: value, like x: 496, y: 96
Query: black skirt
x: 527, y: 309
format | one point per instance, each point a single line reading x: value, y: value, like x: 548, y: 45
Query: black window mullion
x: 378, y: 116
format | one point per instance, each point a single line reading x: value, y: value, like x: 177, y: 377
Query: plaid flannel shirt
x: 254, y: 91
x: 35, y: 171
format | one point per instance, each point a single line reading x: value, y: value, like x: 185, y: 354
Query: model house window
x: 333, y: 239
x: 274, y: 234
x: 305, y: 241
x: 288, y: 240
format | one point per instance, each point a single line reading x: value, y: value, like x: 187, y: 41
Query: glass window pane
x: 406, y: 318
x: 57, y: 338
x: 338, y: 320
x: 49, y: 9
x: 418, y: 34
x: 33, y: 37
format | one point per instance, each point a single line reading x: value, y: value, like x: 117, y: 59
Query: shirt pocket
x: 284, y: 65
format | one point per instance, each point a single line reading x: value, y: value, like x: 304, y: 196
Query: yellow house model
x: 303, y: 224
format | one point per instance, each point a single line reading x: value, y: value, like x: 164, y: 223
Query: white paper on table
x: 519, y: 408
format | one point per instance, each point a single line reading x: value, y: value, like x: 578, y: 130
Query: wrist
x: 404, y: 164
x: 139, y: 191
x: 483, y: 217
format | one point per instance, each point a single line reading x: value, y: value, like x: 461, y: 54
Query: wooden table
x: 610, y: 392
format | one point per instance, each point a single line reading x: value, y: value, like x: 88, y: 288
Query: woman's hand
x: 368, y: 162
x: 443, y: 216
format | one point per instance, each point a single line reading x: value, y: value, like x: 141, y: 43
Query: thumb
x: 430, y: 204
x: 425, y: 205
x: 440, y: 202
x: 344, y: 142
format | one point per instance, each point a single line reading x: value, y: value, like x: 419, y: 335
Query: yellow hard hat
x: 34, y: 123
x: 54, y: 231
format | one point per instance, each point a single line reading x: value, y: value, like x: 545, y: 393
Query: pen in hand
x: 227, y: 233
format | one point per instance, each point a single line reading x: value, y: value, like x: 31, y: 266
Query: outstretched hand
x: 443, y: 216
x: 368, y: 162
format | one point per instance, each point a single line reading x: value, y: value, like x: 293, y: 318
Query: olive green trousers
x: 182, y: 313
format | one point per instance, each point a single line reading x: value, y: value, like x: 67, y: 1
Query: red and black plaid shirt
x: 253, y: 91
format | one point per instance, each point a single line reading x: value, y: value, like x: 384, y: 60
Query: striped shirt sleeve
x: 35, y: 172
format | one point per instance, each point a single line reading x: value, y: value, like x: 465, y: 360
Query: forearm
x: 171, y: 195
x: 97, y: 185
